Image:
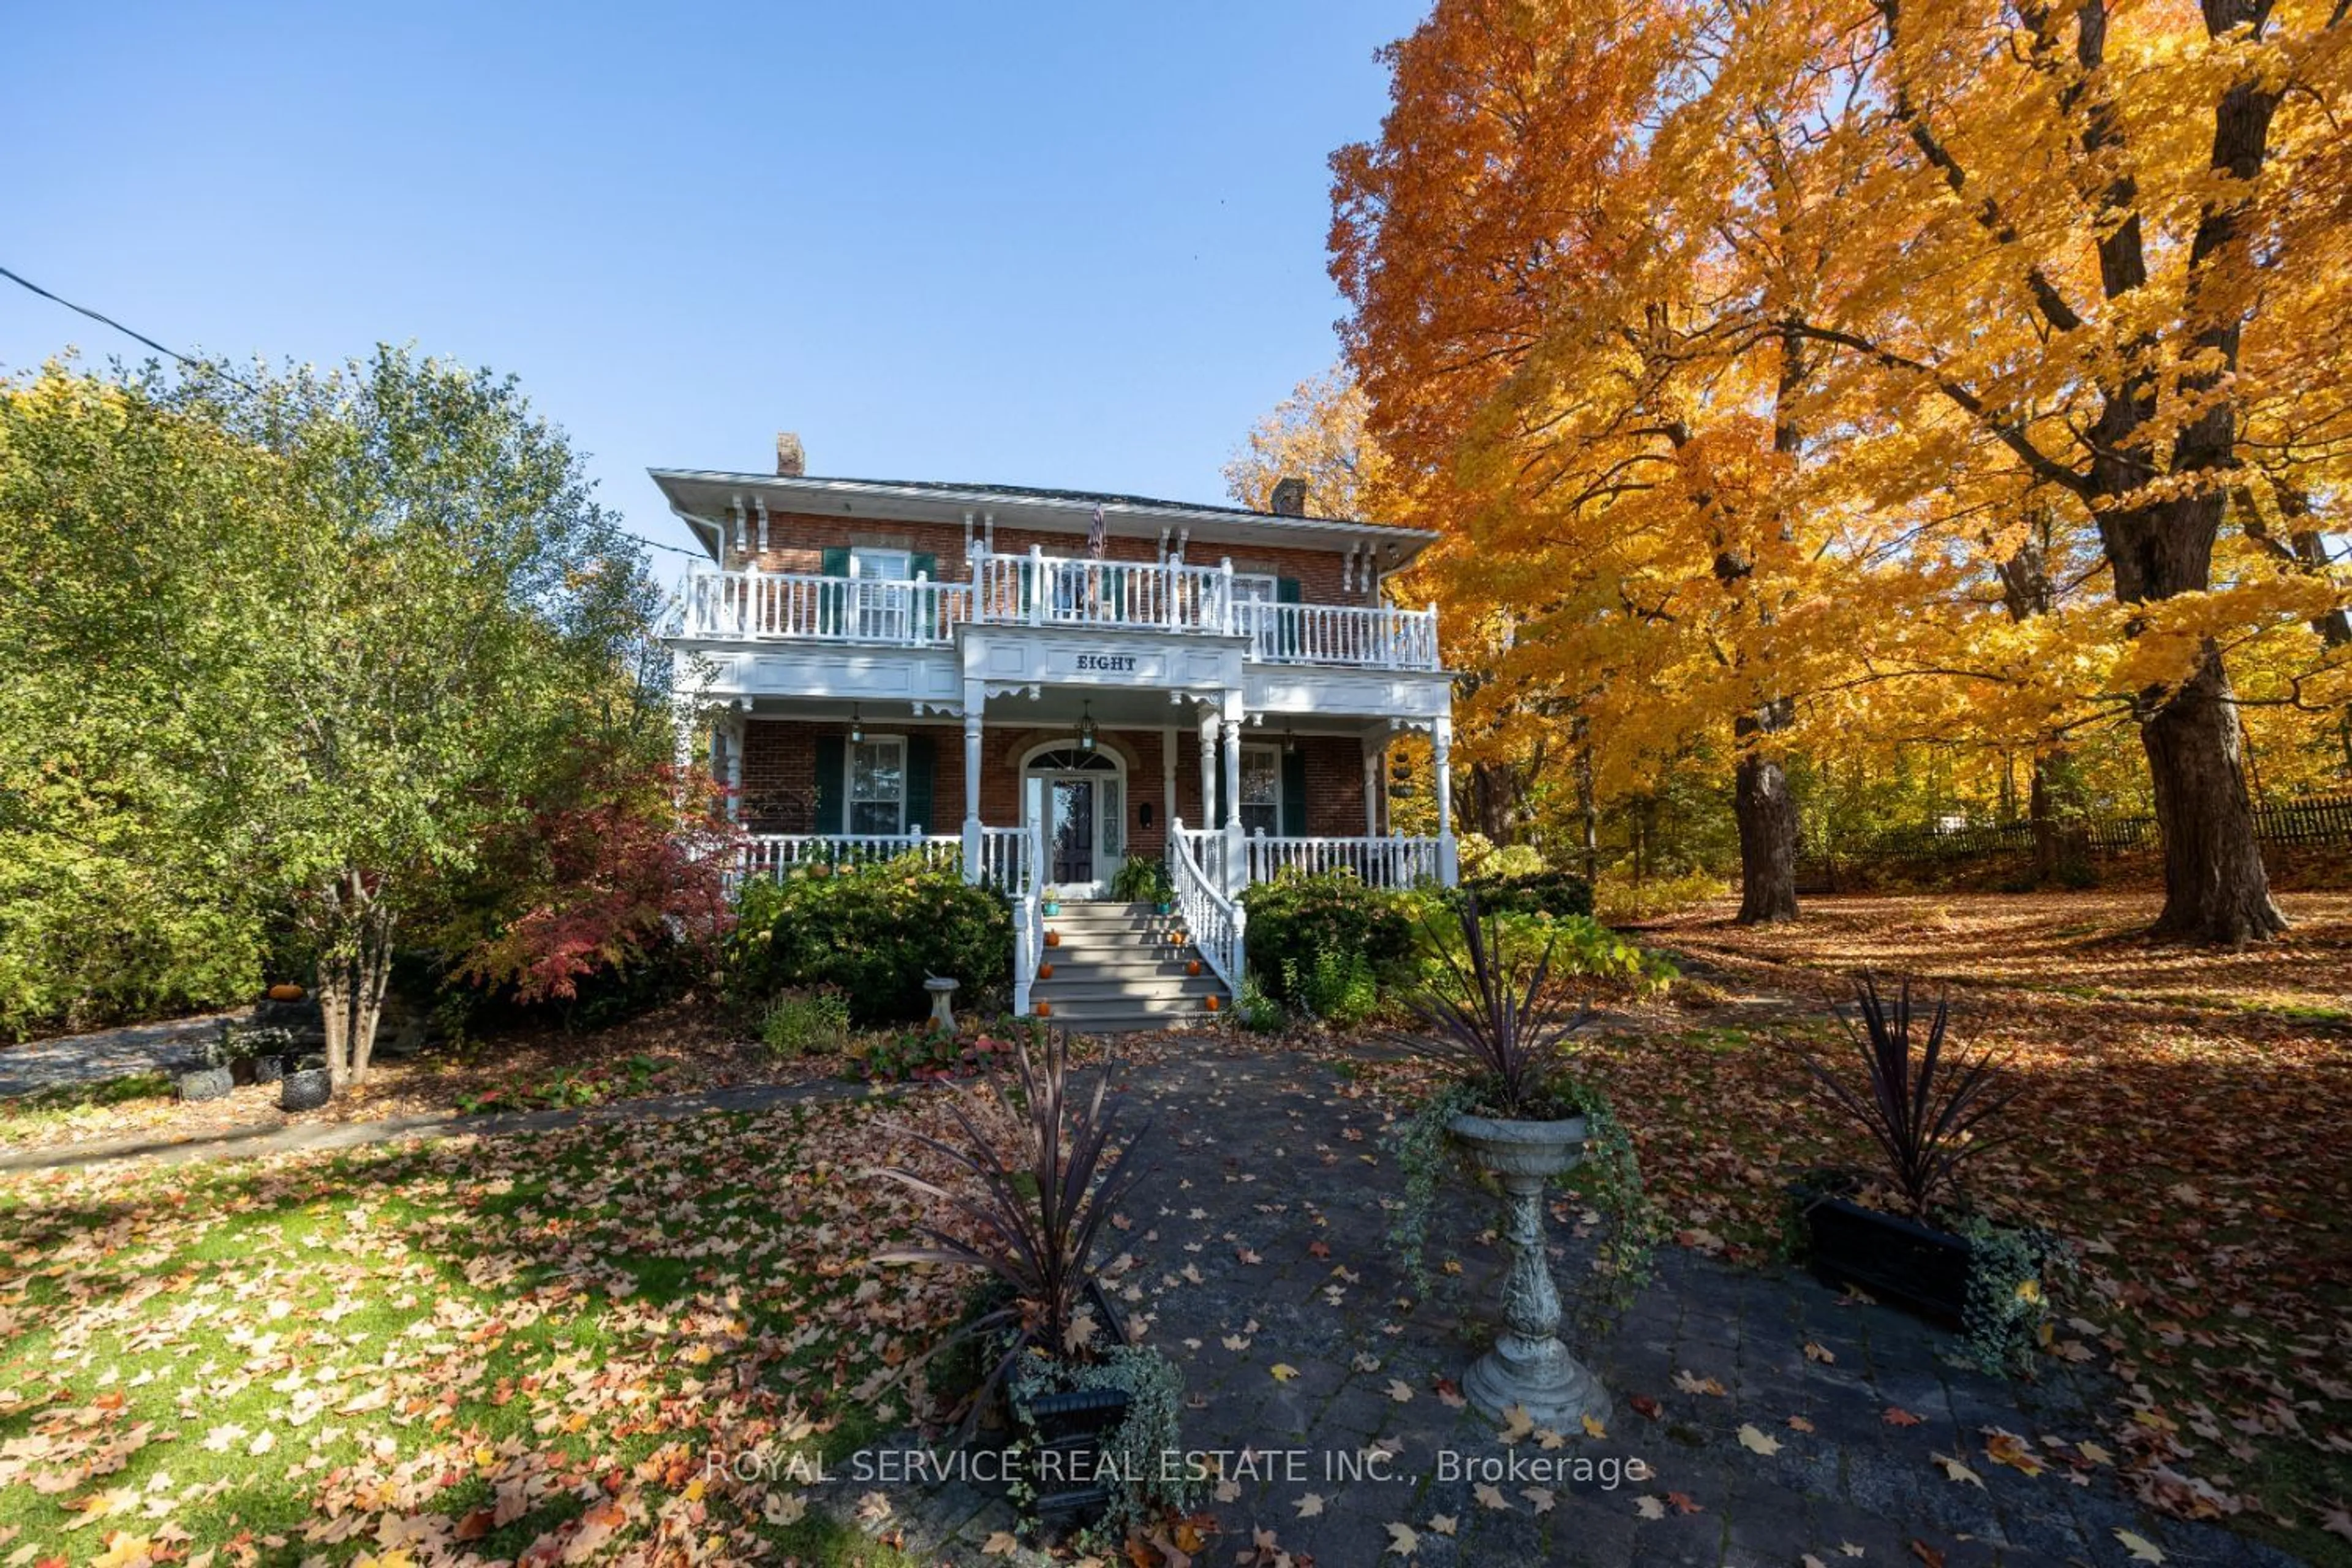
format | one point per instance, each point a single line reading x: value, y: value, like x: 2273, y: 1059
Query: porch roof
x: 702, y: 497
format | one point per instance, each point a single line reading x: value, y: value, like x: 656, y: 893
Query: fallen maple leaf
x: 1644, y: 1406
x: 1682, y: 1503
x: 999, y: 1543
x: 1755, y: 1442
x: 1799, y: 1424
x: 1441, y: 1523
x: 1310, y: 1506
x: 1491, y: 1496
x: 1690, y: 1383
x: 1593, y: 1428
x: 1284, y: 1372
x: 1650, y: 1508
x: 1517, y: 1424
x: 1401, y: 1391
x: 1957, y: 1471
x: 1401, y: 1540
x: 2141, y: 1548
x: 1821, y: 1353
x: 1540, y: 1498
x: 1897, y: 1416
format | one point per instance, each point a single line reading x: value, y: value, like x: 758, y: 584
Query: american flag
x: 1097, y: 536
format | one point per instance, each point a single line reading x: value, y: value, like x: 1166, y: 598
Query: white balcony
x: 1056, y: 592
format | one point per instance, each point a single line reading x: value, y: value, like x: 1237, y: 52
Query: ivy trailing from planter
x: 1609, y: 1181
x: 1132, y: 1459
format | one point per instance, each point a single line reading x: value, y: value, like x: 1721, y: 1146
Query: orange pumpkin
x: 1044, y: 1009
x: 1052, y: 939
x: 1044, y: 972
x: 286, y: 991
x: 1193, y: 967
x: 1212, y: 1004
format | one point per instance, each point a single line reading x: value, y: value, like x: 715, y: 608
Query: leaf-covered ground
x: 2183, y: 1121
x: 473, y: 1350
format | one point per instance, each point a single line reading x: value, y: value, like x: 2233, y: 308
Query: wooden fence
x: 2317, y: 819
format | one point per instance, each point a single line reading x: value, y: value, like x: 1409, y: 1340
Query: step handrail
x: 1216, y: 924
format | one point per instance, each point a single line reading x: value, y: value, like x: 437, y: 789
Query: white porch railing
x: 1044, y: 590
x: 1339, y: 634
x: 1005, y: 859
x: 775, y: 854
x: 1216, y: 923
x: 915, y: 611
x: 1392, y: 862
x: 1038, y: 589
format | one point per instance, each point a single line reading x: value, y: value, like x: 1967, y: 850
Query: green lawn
x: 530, y: 1345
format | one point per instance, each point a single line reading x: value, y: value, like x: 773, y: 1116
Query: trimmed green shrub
x: 872, y: 931
x: 1293, y: 918
x: 1554, y: 893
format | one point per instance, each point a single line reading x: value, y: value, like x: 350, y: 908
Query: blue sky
x: 1034, y: 245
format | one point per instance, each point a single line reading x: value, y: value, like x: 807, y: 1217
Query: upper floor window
x: 1254, y: 587
x: 886, y: 565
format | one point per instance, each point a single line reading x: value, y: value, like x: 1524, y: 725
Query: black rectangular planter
x: 1892, y: 1258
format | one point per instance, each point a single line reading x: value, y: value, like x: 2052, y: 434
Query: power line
x: 24, y: 282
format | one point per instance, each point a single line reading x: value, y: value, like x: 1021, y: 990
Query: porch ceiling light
x: 1289, y: 739
x: 1087, y: 727
x: 857, y: 726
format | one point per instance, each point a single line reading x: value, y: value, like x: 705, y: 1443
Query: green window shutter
x: 1294, y: 795
x: 922, y: 760
x: 1285, y: 591
x: 832, y: 604
x: 832, y: 763
x: 925, y: 566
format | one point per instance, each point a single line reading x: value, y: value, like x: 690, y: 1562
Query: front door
x: 1073, y: 831
x: 1075, y: 804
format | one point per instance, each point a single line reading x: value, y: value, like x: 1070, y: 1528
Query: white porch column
x: 1208, y: 817
x: 726, y: 738
x: 1372, y: 788
x: 1236, y: 846
x: 1168, y: 781
x: 1441, y: 751
x: 975, y: 699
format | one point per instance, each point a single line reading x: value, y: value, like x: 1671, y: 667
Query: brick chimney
x: 792, y: 457
x: 1290, y: 497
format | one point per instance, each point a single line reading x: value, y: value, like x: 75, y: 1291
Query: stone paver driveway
x: 1270, y: 1187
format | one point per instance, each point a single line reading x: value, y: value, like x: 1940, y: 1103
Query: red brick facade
x: 779, y: 788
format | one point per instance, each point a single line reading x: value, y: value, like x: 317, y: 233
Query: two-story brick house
x: 1044, y: 684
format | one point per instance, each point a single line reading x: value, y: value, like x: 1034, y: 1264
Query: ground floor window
x: 1261, y: 790
x: 877, y: 785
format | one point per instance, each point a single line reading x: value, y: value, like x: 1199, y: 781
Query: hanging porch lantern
x: 857, y: 726
x: 1087, y: 727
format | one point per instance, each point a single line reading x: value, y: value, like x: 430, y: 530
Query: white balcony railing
x: 802, y: 607
x: 1043, y: 590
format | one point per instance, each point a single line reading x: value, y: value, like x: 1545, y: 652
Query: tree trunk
x: 374, y: 973
x: 1587, y: 808
x: 1768, y: 822
x: 334, y: 1011
x: 2042, y: 812
x: 2215, y: 887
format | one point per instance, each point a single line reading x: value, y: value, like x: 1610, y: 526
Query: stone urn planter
x: 1529, y: 1367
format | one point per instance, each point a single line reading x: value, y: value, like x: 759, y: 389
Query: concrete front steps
x: 1116, y: 970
